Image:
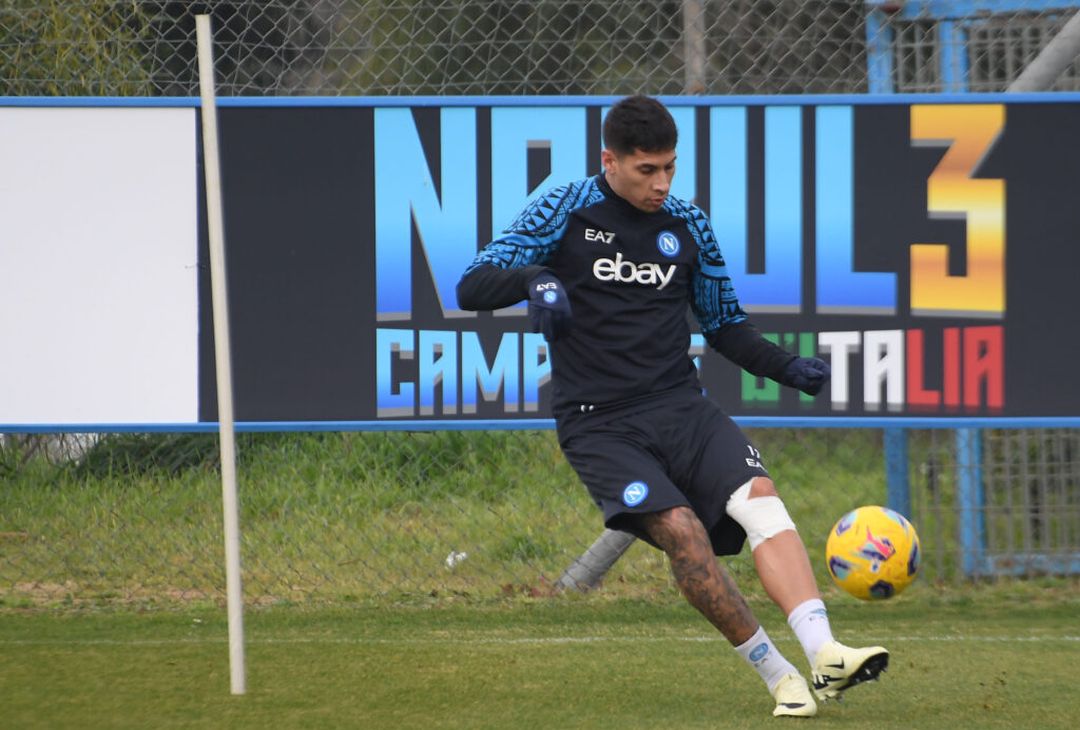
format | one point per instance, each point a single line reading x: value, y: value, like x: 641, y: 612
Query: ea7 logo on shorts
x: 595, y: 234
x: 627, y: 272
x: 755, y: 458
x: 635, y: 493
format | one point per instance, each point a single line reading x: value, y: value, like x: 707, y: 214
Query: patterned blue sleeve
x: 713, y: 299
x: 533, y: 237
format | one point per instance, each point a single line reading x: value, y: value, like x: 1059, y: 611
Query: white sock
x: 763, y: 656
x: 810, y: 622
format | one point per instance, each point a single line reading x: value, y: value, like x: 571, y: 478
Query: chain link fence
x: 135, y: 518
x: 440, y: 47
x: 340, y: 517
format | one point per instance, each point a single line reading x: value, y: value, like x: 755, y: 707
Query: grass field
x: 978, y: 657
x: 111, y: 592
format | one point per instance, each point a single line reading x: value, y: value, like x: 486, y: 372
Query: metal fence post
x: 896, y: 471
x: 970, y: 500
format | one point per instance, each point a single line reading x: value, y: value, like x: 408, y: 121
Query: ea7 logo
x: 754, y: 459
x: 627, y: 272
x: 543, y: 286
x: 595, y: 234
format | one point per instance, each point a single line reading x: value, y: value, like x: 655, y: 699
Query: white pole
x: 222, y: 357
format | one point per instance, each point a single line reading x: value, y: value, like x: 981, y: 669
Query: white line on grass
x: 504, y: 641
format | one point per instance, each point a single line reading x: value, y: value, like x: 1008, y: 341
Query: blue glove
x: 808, y: 374
x: 549, y: 308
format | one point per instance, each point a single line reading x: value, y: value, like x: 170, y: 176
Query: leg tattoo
x: 703, y: 581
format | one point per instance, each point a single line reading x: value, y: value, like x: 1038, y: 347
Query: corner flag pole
x: 222, y: 357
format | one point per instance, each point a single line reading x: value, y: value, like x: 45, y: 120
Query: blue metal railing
x: 952, y: 19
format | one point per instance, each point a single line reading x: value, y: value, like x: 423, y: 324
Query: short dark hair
x: 639, y: 123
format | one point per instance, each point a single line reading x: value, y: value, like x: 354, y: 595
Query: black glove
x: 549, y: 308
x: 808, y: 374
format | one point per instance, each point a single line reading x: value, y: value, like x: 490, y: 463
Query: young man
x: 609, y: 265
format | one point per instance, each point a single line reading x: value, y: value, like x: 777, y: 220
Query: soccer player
x: 609, y: 265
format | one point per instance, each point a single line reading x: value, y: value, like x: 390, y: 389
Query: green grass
x: 111, y: 593
x: 987, y: 657
x: 343, y: 516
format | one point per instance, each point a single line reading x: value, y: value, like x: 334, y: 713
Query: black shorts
x: 669, y: 450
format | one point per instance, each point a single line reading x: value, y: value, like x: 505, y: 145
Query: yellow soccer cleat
x: 793, y: 698
x: 838, y: 668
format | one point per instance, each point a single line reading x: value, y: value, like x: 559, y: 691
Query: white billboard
x: 98, y: 266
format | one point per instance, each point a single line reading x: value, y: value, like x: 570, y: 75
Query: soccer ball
x: 873, y: 553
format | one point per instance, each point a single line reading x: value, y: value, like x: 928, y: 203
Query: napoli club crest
x: 668, y: 243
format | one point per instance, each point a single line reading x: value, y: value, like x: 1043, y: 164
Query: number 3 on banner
x: 952, y: 192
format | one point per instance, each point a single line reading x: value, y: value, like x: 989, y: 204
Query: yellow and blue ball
x: 873, y: 553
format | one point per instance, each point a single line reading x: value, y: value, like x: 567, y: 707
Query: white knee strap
x: 761, y: 517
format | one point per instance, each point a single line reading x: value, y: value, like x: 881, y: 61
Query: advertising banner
x: 926, y: 248
x: 927, y: 251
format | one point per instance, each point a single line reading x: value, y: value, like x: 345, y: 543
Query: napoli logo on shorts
x: 635, y: 493
x: 668, y: 243
x: 550, y: 296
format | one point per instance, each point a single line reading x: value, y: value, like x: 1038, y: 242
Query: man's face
x: 641, y: 178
